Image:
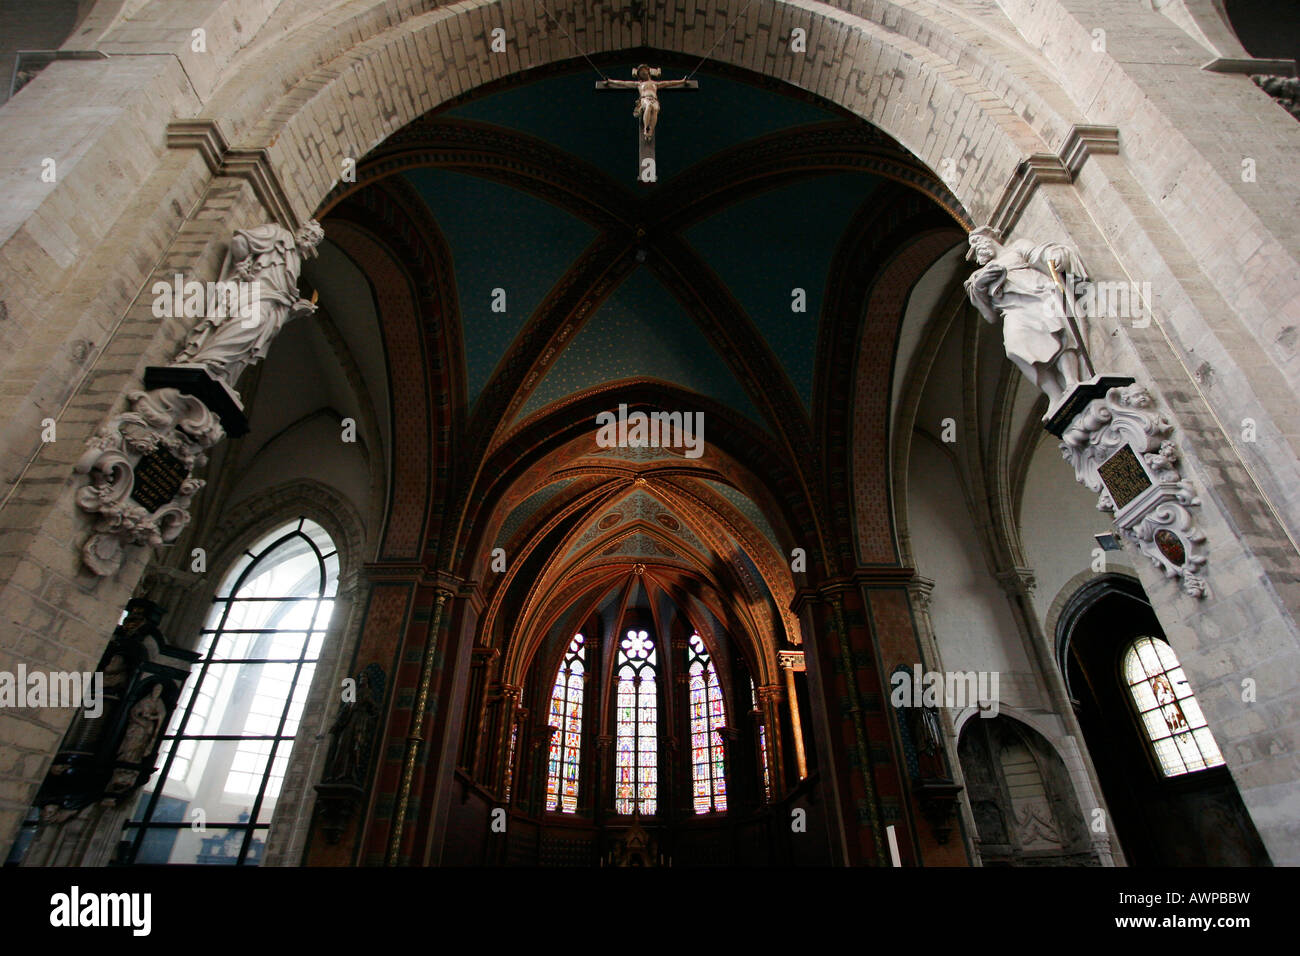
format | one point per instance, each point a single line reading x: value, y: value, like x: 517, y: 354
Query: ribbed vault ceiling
x: 712, y: 286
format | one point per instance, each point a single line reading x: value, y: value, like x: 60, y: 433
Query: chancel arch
x: 872, y: 494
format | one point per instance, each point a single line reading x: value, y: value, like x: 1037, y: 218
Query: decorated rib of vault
x: 140, y: 464
x: 1119, y: 444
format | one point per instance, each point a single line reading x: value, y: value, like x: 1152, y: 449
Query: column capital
x: 832, y: 589
x: 791, y: 660
x: 1016, y: 580
x: 922, y: 591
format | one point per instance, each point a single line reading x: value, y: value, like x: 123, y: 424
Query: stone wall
x: 294, y: 88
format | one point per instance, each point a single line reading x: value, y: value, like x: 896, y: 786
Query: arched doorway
x: 1172, y: 800
x: 1020, y: 794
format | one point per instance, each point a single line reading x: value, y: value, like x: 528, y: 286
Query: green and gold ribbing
x: 414, y: 738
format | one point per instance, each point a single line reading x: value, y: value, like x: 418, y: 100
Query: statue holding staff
x: 1035, y: 290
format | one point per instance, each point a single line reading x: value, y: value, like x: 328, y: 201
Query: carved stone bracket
x: 1121, y: 447
x: 139, y: 465
x: 938, y: 799
x: 336, y: 805
x: 1017, y: 581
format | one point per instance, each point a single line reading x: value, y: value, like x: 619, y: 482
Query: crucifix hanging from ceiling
x: 647, y: 111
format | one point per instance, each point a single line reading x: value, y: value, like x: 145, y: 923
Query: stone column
x: 415, y: 736
x: 680, y: 776
x: 483, y: 712
x: 1018, y: 585
x: 919, y: 590
x: 730, y: 745
x: 543, y: 740
x: 761, y: 785
x: 863, y: 782
x: 792, y: 661
x: 769, y: 702
x: 604, y: 778
x: 501, y: 776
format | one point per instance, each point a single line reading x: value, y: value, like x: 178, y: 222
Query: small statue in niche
x: 927, y: 734
x: 143, y: 726
x: 352, y: 732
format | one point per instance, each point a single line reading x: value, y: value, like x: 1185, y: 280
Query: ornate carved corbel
x: 1121, y: 447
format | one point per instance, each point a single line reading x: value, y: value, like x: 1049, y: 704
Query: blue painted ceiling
x: 784, y: 239
x: 500, y: 238
x: 761, y: 247
x: 641, y: 330
x: 598, y: 126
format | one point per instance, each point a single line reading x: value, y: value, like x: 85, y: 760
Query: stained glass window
x: 762, y: 745
x: 708, y: 771
x: 637, y: 755
x: 566, y: 739
x: 1168, y: 709
x: 510, y: 759
x: 227, y: 748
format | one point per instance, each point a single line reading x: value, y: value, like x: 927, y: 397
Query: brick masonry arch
x: 986, y: 108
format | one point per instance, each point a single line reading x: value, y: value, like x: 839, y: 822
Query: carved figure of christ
x: 647, y: 110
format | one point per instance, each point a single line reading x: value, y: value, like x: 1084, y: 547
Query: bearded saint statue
x: 1036, y: 291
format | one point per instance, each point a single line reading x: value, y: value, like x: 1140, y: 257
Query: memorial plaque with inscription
x: 158, y: 477
x: 1124, y: 476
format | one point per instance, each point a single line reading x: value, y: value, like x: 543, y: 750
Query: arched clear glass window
x: 1167, y: 708
x: 636, y: 745
x: 566, y: 738
x: 225, y: 752
x: 708, y: 767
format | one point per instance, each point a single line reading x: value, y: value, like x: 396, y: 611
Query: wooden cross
x: 647, y: 112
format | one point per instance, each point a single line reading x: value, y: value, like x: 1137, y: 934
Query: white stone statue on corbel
x: 140, y: 464
x: 1038, y: 291
x: 255, y: 297
x: 1119, y: 446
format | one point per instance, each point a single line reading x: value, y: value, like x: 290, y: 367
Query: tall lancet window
x: 1168, y: 709
x: 708, y: 768
x: 762, y: 746
x: 566, y: 738
x: 637, y: 755
x: 224, y: 756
